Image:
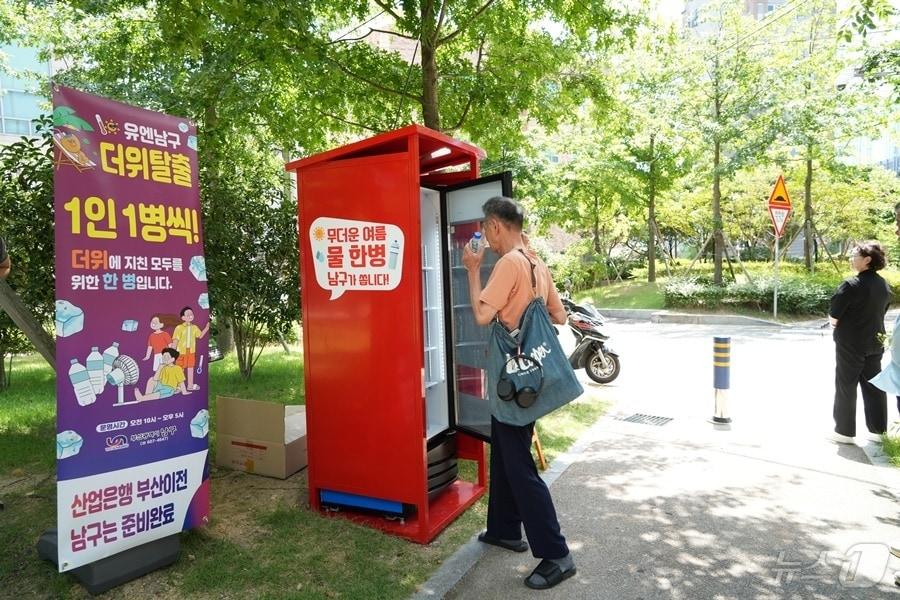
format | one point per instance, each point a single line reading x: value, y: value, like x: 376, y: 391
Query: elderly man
x: 518, y: 496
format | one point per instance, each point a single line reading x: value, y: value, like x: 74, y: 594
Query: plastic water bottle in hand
x: 475, y: 242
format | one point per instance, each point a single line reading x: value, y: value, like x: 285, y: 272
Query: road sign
x: 779, y: 206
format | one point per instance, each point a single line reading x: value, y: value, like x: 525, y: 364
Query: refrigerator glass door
x: 469, y: 341
x: 437, y: 406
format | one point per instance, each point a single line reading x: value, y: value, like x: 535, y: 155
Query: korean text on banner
x: 132, y: 315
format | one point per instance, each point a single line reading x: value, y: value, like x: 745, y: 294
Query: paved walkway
x: 685, y: 511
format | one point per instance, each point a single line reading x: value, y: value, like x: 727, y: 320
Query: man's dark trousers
x: 855, y: 368
x: 519, y: 496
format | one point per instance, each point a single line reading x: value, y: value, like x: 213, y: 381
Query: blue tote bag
x: 528, y: 374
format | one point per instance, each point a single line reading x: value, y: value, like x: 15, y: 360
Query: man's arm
x: 555, y: 307
x: 482, y: 312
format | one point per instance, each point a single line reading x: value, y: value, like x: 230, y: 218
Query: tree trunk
x: 808, y: 241
x: 651, y: 218
x: 284, y: 344
x: 25, y: 321
x: 243, y: 345
x: 430, y: 107
x: 225, y: 337
x: 4, y: 381
x: 719, y: 242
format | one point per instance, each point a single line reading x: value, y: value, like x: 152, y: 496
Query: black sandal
x: 550, y: 572
x: 518, y: 546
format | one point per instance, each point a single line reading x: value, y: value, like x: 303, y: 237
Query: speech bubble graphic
x: 356, y: 255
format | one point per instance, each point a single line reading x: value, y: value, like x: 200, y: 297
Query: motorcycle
x: 592, y: 350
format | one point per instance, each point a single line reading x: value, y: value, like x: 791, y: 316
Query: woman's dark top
x: 859, y: 305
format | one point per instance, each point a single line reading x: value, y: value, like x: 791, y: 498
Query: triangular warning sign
x: 779, y: 195
x: 779, y: 218
x: 779, y: 206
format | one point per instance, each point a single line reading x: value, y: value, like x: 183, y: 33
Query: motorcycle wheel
x: 600, y: 373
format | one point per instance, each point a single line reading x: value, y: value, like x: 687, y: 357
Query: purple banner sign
x: 132, y: 318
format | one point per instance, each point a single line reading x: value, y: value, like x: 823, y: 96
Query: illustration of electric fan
x: 124, y: 372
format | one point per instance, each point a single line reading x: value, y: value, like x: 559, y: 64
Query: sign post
x: 780, y: 210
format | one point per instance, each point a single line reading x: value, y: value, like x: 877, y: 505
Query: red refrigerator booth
x: 394, y: 361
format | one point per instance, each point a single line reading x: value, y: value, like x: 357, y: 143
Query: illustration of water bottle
x: 95, y: 369
x: 393, y: 253
x: 475, y: 242
x: 109, y: 355
x: 81, y: 383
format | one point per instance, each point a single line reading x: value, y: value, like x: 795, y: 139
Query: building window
x: 19, y: 103
x: 18, y: 109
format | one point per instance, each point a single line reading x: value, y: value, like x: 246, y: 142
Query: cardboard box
x: 263, y: 438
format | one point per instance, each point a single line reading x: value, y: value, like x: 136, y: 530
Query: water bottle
x: 475, y: 242
x: 393, y: 253
x: 109, y: 355
x: 95, y: 370
x: 81, y: 383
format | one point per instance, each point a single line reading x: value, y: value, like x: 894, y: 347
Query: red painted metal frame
x: 363, y: 352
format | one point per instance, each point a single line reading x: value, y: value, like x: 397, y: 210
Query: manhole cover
x: 648, y: 419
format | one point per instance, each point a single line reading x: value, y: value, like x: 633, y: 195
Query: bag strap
x: 533, y: 278
x: 534, y: 294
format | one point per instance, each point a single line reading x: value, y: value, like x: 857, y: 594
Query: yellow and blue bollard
x: 721, y: 378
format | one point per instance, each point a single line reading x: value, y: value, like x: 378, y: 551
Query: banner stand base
x: 107, y: 573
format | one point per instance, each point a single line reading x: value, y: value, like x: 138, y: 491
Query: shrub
x: 579, y: 266
x: 795, y: 295
x: 692, y: 292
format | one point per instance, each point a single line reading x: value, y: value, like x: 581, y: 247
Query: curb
x: 665, y: 316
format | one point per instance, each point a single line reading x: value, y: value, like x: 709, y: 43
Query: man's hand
x: 472, y: 260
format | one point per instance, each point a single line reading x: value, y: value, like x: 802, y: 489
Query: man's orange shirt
x: 509, y: 290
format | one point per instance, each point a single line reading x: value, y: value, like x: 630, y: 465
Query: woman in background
x: 857, y: 315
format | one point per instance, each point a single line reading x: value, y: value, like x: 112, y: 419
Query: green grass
x: 627, y: 294
x: 28, y: 418
x: 262, y: 539
x: 891, y: 446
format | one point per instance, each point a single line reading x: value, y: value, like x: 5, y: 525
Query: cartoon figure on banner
x: 159, y: 338
x: 167, y: 380
x: 184, y: 339
x: 69, y: 146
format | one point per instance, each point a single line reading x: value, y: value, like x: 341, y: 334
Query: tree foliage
x: 251, y: 233
x: 225, y: 66
x: 731, y: 106
x: 480, y: 67
x: 26, y: 214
